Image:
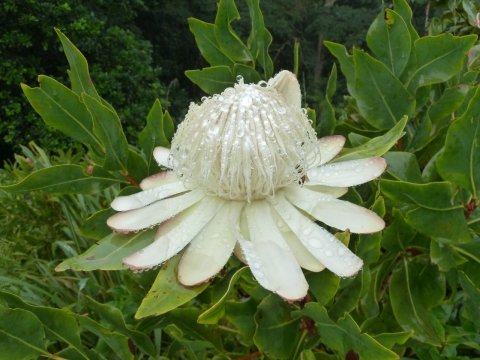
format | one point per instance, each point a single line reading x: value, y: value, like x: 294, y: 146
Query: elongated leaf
x: 460, y: 161
x: 58, y: 324
x: 259, y: 39
x: 277, y: 333
x: 470, y: 251
x: 472, y: 311
x: 381, y: 97
x: 250, y: 75
x: 61, y: 108
x: 346, y: 64
x: 167, y: 293
x: 389, y: 40
x: 450, y: 101
x: 79, y: 75
x: 403, y: 166
x: 346, y: 335
x: 376, y: 146
x: 109, y: 253
x: 108, y: 128
x: 212, y: 80
x: 192, y: 347
x: 137, y: 167
x: 323, y: 285
x: 64, y: 179
x: 207, y: 43
x: 228, y: 41
x: 438, y: 59
x: 241, y: 315
x: 415, y: 288
x: 21, y: 335
x: 153, y: 135
x: 326, y: 123
x: 398, y: 235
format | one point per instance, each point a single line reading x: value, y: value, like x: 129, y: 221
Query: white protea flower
x: 246, y: 173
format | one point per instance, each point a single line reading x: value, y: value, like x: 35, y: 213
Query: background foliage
x: 415, y: 100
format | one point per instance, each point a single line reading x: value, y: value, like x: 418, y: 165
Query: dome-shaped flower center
x: 244, y: 143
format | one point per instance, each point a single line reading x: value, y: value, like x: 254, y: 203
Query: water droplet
x: 377, y: 173
x: 313, y: 173
x: 307, y: 230
x: 341, y: 251
x: 359, y: 168
x: 316, y: 243
x: 328, y: 253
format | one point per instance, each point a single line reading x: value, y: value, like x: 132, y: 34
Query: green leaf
x: 217, y: 311
x: 21, y: 335
x: 346, y: 335
x: 108, y: 128
x: 450, y: 101
x: 421, y: 135
x: 136, y: 166
x: 250, y: 75
x: 259, y: 39
x: 277, y: 332
x: 79, y: 76
x: 241, y: 316
x: 398, y: 235
x: 346, y: 64
x: 326, y: 122
x: 390, y: 339
x: 332, y: 83
x: 444, y: 256
x: 415, y: 288
x: 323, y: 285
x: 58, y: 324
x: 389, y: 40
x: 212, y: 80
x: 114, y: 317
x: 403, y: 166
x: 64, y: 179
x: 117, y: 342
x: 168, y: 126
x: 471, y: 309
x: 191, y: 347
x: 312, y: 116
x: 403, y: 9
x: 376, y: 146
x: 460, y: 161
x: 438, y: 59
x: 153, y: 135
x: 108, y: 253
x: 167, y: 293
x: 207, y: 43
x: 229, y: 42
x: 470, y: 251
x: 381, y: 97
x: 61, y: 108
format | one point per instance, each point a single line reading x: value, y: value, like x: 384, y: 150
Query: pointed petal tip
x: 286, y: 83
x: 162, y: 156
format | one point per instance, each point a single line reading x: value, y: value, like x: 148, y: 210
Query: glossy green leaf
x: 153, y: 135
x: 398, y: 234
x: 402, y: 8
x: 389, y: 340
x: 108, y: 253
x: 325, y: 125
x: 444, y: 256
x: 346, y: 64
x: 108, y: 128
x: 64, y: 179
x: 168, y: 126
x: 207, y: 43
x: 312, y: 116
x: 212, y: 80
x: 217, y: 311
x: 381, y: 97
x: 450, y: 101
x: 403, y: 166
x: 421, y: 136
x: 415, y: 288
x: 346, y: 335
x: 438, y: 59
x: 376, y: 146
x: 348, y: 298
x: 323, y: 285
x: 470, y: 251
x: 249, y: 75
x: 241, y: 315
x: 389, y: 40
x: 79, y: 75
x: 21, y: 335
x: 277, y: 332
x: 58, y: 324
x: 117, y: 342
x: 368, y: 249
x: 460, y: 161
x: 191, y: 347
x: 332, y: 83
x: 229, y: 42
x: 61, y: 108
x: 471, y: 310
x: 167, y: 293
x: 137, y: 167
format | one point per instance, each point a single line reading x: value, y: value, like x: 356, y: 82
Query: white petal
x: 146, y: 197
x: 208, y: 251
x: 337, y: 213
x: 175, y: 240
x: 347, y: 173
x: 303, y: 256
x: 270, y: 252
x: 320, y: 243
x: 153, y: 214
x: 334, y: 191
x: 237, y: 250
x: 162, y: 155
x: 329, y: 147
x: 159, y: 179
x: 287, y: 84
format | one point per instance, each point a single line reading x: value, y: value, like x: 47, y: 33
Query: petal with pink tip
x: 272, y: 254
x: 208, y: 251
x: 347, y: 173
x: 159, y: 179
x: 153, y: 214
x: 329, y: 147
x: 337, y: 213
x: 175, y: 240
x: 146, y: 197
x: 287, y: 84
x: 327, y: 249
x: 162, y: 156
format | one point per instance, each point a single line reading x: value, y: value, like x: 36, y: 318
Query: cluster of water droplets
x: 244, y: 143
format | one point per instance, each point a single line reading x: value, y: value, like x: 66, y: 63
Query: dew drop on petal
x: 316, y: 243
x: 340, y: 251
x: 359, y: 168
x: 328, y: 253
x: 307, y: 231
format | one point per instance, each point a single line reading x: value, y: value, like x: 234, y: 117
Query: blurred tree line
x: 139, y: 50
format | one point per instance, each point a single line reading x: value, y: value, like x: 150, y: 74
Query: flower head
x: 248, y: 175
